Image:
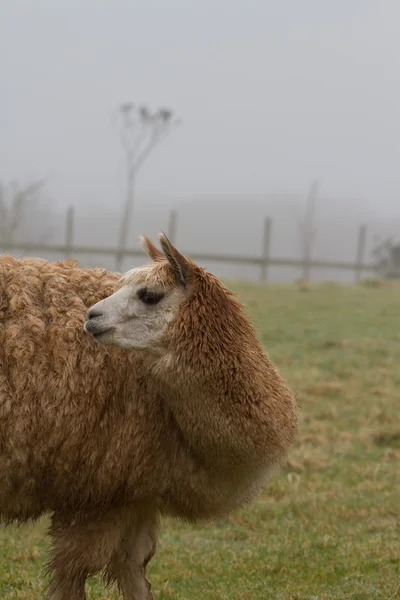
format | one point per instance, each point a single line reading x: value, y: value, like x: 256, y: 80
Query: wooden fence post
x: 266, y: 249
x: 172, y: 220
x: 69, y: 231
x: 362, y: 238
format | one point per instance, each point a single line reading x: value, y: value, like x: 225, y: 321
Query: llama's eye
x: 149, y: 298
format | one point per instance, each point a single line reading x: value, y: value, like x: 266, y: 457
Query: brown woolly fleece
x: 105, y: 439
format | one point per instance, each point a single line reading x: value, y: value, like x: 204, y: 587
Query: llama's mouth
x: 98, y: 334
x: 94, y: 330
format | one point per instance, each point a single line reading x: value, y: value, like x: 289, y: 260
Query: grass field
x: 328, y: 527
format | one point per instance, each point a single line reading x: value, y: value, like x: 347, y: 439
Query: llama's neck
x: 226, y: 396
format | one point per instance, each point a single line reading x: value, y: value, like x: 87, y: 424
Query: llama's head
x: 138, y: 314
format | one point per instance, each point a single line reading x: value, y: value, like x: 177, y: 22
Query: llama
x: 126, y: 399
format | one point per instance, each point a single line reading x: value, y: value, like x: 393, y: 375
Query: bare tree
x: 141, y: 130
x: 386, y: 255
x: 16, y: 202
x: 308, y: 230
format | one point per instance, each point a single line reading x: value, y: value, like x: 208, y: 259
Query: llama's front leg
x: 81, y: 549
x: 129, y: 562
x: 66, y: 589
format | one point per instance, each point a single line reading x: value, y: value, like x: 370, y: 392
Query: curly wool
x: 86, y: 427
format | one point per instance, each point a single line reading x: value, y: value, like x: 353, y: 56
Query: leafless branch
x: 156, y: 139
x: 141, y: 131
x: 14, y: 203
x: 307, y: 229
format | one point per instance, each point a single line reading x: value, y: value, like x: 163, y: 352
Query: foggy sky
x: 271, y: 94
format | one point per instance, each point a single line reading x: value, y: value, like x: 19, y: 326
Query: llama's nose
x: 93, y: 313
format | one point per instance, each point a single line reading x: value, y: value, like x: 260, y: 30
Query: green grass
x: 328, y: 526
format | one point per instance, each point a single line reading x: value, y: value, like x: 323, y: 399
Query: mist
x: 271, y: 97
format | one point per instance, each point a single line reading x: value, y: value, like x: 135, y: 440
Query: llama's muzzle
x: 94, y: 324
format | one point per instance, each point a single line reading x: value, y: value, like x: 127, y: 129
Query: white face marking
x: 137, y: 315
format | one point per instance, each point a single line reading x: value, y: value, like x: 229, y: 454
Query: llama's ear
x: 180, y: 265
x: 150, y: 249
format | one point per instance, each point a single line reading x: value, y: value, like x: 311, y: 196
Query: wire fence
x: 70, y: 250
